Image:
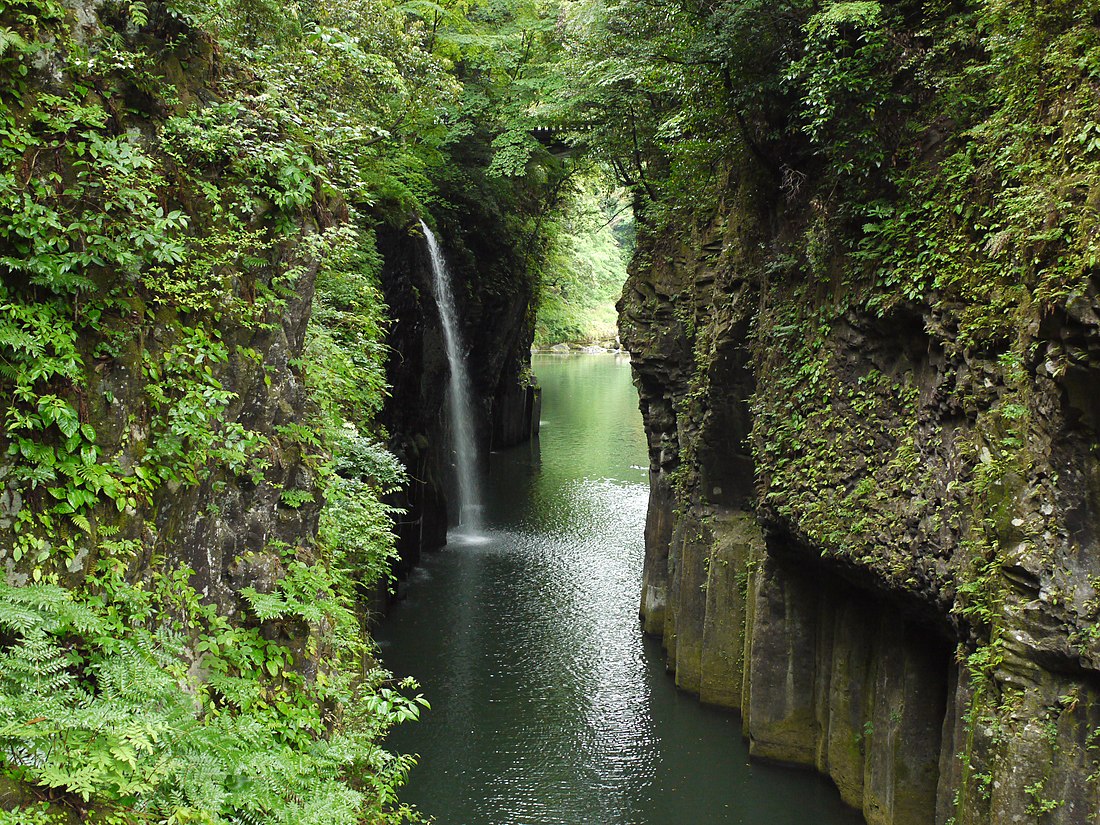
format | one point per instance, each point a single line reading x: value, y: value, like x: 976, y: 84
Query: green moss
x: 785, y: 741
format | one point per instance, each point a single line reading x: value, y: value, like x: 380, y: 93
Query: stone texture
x: 689, y: 603
x: 780, y: 717
x: 847, y: 648
x: 735, y: 543
x: 658, y: 537
x: 515, y: 416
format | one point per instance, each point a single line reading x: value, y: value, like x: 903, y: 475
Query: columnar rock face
x: 878, y: 545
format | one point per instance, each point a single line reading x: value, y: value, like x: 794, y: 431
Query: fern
x: 38, y: 666
x: 19, y: 340
x: 99, y: 701
x: 15, y: 616
x: 32, y: 815
x: 11, y: 41
x: 48, y: 607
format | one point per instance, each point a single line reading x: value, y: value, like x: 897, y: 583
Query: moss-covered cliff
x: 862, y: 323
x: 197, y: 247
x: 183, y: 291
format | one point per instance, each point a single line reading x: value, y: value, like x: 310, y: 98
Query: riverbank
x: 613, y: 347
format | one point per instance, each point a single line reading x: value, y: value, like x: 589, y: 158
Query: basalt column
x: 831, y: 664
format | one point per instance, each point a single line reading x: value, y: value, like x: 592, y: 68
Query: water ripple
x: 548, y: 706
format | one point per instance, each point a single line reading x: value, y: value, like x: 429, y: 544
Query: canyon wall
x: 879, y: 545
x: 181, y: 385
x: 193, y: 305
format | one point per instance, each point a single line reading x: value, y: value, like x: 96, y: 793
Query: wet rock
x: 498, y: 330
x: 846, y: 609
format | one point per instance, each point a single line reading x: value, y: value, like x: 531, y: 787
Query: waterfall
x: 460, y: 399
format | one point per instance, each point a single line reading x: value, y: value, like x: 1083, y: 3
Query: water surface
x: 548, y: 705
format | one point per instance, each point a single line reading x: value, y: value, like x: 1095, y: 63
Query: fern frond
x: 12, y: 41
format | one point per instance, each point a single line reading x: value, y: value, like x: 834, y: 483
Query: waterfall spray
x: 460, y: 398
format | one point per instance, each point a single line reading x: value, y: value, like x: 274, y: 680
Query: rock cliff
x: 179, y: 625
x: 864, y: 317
x: 875, y: 541
x: 182, y: 381
x: 192, y: 307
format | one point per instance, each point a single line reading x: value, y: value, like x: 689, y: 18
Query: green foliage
x: 668, y: 94
x: 919, y: 175
x: 179, y: 184
x: 585, y: 270
x: 146, y: 701
x: 39, y: 814
x: 345, y: 345
x: 929, y: 156
x: 512, y: 154
x: 844, y: 81
x: 152, y: 235
x: 345, y: 357
x: 89, y: 249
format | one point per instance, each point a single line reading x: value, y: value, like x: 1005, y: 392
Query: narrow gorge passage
x: 548, y: 704
x: 852, y: 248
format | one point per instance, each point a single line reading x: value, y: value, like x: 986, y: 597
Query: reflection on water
x: 548, y: 706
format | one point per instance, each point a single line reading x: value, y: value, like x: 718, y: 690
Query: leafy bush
x: 145, y: 701
x: 584, y: 273
x: 165, y: 238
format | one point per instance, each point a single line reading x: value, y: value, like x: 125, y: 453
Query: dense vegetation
x: 189, y: 309
x: 912, y: 153
x: 191, y: 347
x: 591, y: 242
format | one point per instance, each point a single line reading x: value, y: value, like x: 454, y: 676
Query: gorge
x: 548, y: 704
x: 862, y: 319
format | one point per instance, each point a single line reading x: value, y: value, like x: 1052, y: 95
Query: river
x: 549, y: 707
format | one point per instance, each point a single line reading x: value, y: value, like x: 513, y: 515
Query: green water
x: 549, y: 707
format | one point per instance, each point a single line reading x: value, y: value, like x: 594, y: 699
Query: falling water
x: 460, y: 402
